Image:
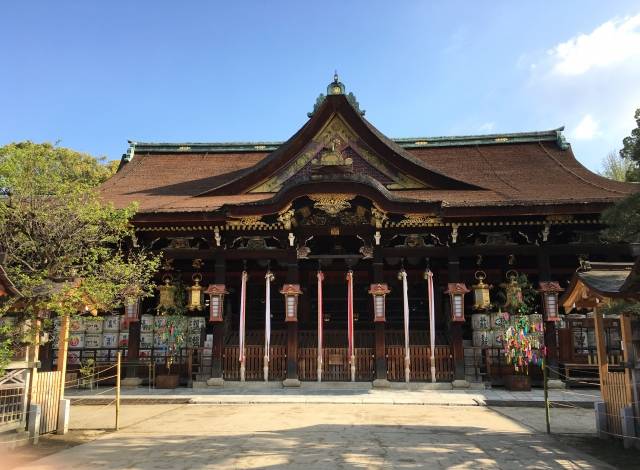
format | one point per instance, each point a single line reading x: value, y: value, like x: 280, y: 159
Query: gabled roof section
x: 334, y: 137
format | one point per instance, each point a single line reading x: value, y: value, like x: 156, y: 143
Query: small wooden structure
x: 592, y: 288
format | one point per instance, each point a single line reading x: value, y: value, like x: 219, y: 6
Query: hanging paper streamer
x: 523, y: 342
x: 320, y: 324
x: 352, y: 357
x: 243, y: 307
x: 432, y: 324
x: 267, y: 322
x: 405, y: 306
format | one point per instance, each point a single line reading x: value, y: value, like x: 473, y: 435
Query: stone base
x: 381, y: 383
x: 290, y: 383
x: 555, y: 384
x: 215, y: 382
x: 64, y: 409
x: 131, y: 382
x: 198, y: 384
x: 460, y: 384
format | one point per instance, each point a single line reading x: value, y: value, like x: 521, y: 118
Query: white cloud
x: 486, y: 127
x: 587, y: 128
x: 611, y: 43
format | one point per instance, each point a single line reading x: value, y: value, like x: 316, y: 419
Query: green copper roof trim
x: 554, y: 135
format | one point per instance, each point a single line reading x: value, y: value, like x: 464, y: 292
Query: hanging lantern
x: 456, y: 292
x: 167, y: 294
x: 195, y: 293
x: 291, y: 293
x: 513, y: 290
x: 216, y: 301
x: 481, y: 298
x: 379, y: 291
x: 131, y: 310
x: 550, y: 292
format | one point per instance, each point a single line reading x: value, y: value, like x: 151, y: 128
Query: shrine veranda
x: 342, y: 199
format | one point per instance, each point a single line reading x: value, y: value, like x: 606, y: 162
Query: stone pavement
x: 340, y: 392
x: 310, y: 437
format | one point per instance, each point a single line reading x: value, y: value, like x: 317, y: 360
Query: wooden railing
x: 336, y: 366
x: 254, y: 364
x: 420, y: 363
x: 614, y: 394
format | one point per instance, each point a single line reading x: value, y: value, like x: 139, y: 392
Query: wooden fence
x: 254, y: 357
x: 336, y: 365
x: 420, y: 363
x: 46, y: 393
x: 13, y: 398
x: 614, y: 394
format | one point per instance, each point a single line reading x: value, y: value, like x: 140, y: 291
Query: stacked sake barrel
x: 488, y: 329
x: 101, y: 334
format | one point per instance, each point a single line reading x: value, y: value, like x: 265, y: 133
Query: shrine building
x: 325, y: 256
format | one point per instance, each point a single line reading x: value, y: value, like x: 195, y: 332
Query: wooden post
x: 545, y: 378
x: 455, y: 328
x: 550, y: 335
x: 627, y: 348
x: 63, y: 346
x: 118, y: 355
x: 380, y: 346
x: 601, y: 352
x: 293, y: 277
x: 217, y: 331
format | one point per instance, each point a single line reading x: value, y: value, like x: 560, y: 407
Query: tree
x: 66, y: 250
x: 623, y: 220
x: 615, y: 167
x: 631, y: 149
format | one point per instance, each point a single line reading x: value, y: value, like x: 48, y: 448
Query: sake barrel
x: 144, y: 354
x: 159, y: 341
x: 76, y: 325
x: 482, y: 338
x: 123, y: 339
x: 76, y: 340
x: 196, y: 323
x: 92, y: 341
x: 110, y: 340
x: 159, y: 322
x: 499, y: 320
x: 111, y: 324
x: 146, y: 323
x: 102, y: 355
x: 146, y: 340
x: 193, y: 339
x: 481, y: 321
x: 93, y: 326
x: 498, y: 338
x: 73, y: 357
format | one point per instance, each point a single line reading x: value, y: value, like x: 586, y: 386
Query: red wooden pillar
x: 455, y: 328
x: 291, y: 291
x: 217, y: 330
x: 380, y: 380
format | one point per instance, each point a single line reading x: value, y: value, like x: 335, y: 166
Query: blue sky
x: 94, y: 74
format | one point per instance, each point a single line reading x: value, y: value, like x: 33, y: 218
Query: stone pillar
x: 455, y: 328
x: 293, y: 279
x: 217, y: 328
x: 550, y: 335
x: 380, y: 380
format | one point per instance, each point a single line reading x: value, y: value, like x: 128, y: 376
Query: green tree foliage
x: 631, y: 149
x: 623, y: 220
x: 615, y: 167
x: 66, y: 250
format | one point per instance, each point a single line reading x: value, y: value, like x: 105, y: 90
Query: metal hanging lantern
x: 513, y: 290
x: 194, y: 297
x: 456, y: 293
x: 550, y: 292
x: 379, y: 292
x: 291, y: 293
x: 481, y: 297
x: 216, y: 301
x: 167, y: 294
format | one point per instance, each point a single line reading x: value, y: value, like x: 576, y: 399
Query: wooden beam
x: 601, y: 353
x: 627, y: 348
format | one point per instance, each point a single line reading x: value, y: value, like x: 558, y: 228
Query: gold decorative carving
x: 248, y: 221
x: 411, y: 220
x: 560, y: 218
x: 378, y: 217
x: 332, y: 204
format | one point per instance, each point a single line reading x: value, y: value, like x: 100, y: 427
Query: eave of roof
x: 405, y: 142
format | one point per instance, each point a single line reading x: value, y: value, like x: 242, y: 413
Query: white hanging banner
x: 405, y: 306
x: 432, y: 325
x: 352, y: 357
x: 320, y: 325
x: 243, y: 308
x: 267, y: 322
